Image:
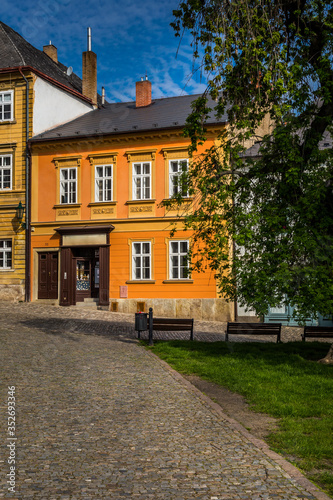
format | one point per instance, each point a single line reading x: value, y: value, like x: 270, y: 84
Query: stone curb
x: 290, y: 470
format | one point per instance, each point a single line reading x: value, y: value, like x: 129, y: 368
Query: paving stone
x: 99, y: 417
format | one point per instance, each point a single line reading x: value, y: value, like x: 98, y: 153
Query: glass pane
x: 99, y: 171
x: 146, y: 262
x: 174, y: 261
x: 137, y: 188
x: 7, y: 97
x: 108, y: 171
x: 184, y: 246
x: 145, y: 248
x: 72, y: 173
x: 136, y: 248
x: 174, y: 166
x: 137, y: 169
x: 146, y: 168
x: 174, y: 247
x: 64, y: 174
x: 99, y: 190
x: 183, y: 165
x: 174, y: 273
x: 7, y: 111
x: 108, y: 190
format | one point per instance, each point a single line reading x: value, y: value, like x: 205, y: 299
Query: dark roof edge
x: 102, y: 134
x: 49, y: 79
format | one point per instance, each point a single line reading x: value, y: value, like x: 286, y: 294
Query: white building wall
x: 53, y: 106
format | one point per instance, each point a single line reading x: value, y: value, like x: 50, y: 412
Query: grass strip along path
x: 282, y: 380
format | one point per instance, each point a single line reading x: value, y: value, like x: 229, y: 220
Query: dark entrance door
x: 48, y: 275
x: 83, y: 279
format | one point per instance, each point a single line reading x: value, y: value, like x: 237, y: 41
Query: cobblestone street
x: 99, y: 417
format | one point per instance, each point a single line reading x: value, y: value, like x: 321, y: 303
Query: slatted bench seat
x: 253, y: 329
x: 173, y: 325
x: 317, y: 332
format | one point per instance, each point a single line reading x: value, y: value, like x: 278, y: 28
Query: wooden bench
x: 253, y: 329
x: 317, y: 332
x: 173, y: 325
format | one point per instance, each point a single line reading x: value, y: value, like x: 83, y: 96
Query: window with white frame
x: 6, y: 172
x: 142, y: 181
x: 5, y: 254
x: 103, y: 183
x: 68, y: 185
x: 178, y: 255
x: 6, y: 106
x: 177, y: 185
x: 141, y: 260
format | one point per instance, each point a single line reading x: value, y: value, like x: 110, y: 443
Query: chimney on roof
x: 89, y: 72
x: 143, y: 92
x: 51, y: 51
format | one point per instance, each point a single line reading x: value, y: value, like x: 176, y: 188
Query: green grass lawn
x: 282, y: 380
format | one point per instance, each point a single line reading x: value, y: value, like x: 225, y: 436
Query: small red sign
x: 123, y: 292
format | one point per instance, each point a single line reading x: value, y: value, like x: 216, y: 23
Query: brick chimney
x: 51, y: 51
x: 89, y: 72
x: 143, y: 93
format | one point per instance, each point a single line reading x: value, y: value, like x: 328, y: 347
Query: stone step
x: 90, y: 302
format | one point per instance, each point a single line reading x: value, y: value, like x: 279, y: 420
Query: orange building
x: 99, y: 232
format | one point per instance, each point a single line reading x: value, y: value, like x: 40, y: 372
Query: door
x: 48, y: 275
x: 284, y: 314
x: 83, y: 279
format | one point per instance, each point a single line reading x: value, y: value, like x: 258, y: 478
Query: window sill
x: 68, y: 205
x: 101, y: 203
x: 184, y: 198
x: 140, y: 202
x: 131, y: 282
x: 7, y: 122
x: 9, y: 270
x: 182, y: 280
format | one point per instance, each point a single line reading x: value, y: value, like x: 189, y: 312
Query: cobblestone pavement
x: 99, y: 417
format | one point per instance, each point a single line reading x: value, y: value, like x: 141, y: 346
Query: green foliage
x: 282, y: 380
x: 265, y: 59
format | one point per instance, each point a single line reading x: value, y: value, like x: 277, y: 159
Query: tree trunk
x: 328, y: 359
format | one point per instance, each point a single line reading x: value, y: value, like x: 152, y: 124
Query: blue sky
x: 130, y: 39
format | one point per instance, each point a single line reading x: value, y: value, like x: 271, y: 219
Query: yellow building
x: 36, y: 93
x: 101, y: 233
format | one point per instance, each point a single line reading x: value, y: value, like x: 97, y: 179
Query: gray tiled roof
x: 117, y: 118
x: 15, y: 51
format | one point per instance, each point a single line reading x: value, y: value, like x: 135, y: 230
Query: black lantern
x: 19, y: 212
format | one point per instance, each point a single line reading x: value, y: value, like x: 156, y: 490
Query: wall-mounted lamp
x: 20, y: 212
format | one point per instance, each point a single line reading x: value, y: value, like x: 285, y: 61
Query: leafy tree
x: 265, y: 60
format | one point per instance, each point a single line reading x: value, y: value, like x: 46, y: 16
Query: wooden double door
x: 48, y: 275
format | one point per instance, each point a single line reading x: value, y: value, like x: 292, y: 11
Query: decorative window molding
x: 103, y: 183
x: 6, y: 254
x: 68, y: 186
x: 100, y: 187
x: 176, y: 185
x: 173, y: 154
x: 6, y: 106
x: 141, y: 179
x: 68, y: 170
x: 6, y: 172
x: 178, y: 268
x: 142, y: 172
x: 141, y: 260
